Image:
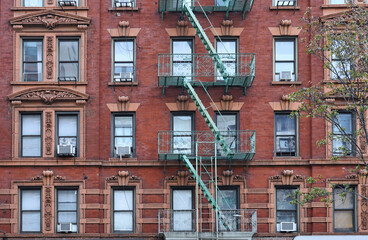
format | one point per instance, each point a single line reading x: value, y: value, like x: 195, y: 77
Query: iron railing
x: 240, y: 220
x: 172, y: 144
x: 217, y: 6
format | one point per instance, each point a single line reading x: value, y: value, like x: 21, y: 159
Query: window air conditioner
x: 66, y: 227
x: 286, y: 144
x: 285, y: 76
x: 67, y: 3
x: 124, y: 77
x: 286, y: 227
x: 123, y: 151
x: 65, y: 150
x: 123, y: 3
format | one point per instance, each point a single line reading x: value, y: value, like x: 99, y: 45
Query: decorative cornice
x: 48, y: 95
x: 49, y: 19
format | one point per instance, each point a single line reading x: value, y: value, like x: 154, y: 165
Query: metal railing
x: 241, y: 142
x: 177, y: 6
x: 202, y: 65
x: 241, y: 220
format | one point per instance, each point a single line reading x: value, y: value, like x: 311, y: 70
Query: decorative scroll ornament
x: 123, y: 178
x: 48, y: 95
x: 227, y: 27
x: 125, y: 27
x: 181, y: 178
x: 182, y: 28
x: 48, y: 133
x: 285, y: 27
x: 182, y: 102
x: 49, y: 57
x: 48, y: 208
x: 364, y: 208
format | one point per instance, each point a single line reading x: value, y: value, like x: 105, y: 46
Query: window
x: 68, y: 3
x: 182, y: 60
x: 32, y: 60
x: 32, y: 3
x: 229, y: 206
x: 285, y: 211
x: 227, y: 123
x: 344, y: 209
x: 227, y: 49
x: 338, y: 1
x: 123, y: 211
x: 124, y: 3
x: 31, y: 135
x: 182, y: 127
x: 123, y: 132
x: 285, y: 134
x: 67, y: 130
x: 340, y: 65
x: 285, y: 59
x: 284, y: 3
x: 182, y: 210
x: 342, y: 134
x: 30, y: 210
x: 220, y: 3
x: 124, y: 61
x: 67, y: 208
x: 68, y: 60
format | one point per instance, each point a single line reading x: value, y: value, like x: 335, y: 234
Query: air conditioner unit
x: 123, y: 151
x: 65, y: 150
x: 285, y: 76
x: 124, y: 77
x: 286, y: 227
x: 65, y: 227
x: 286, y: 144
x: 124, y: 3
x: 67, y: 3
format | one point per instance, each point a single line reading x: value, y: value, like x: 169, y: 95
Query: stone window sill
x: 286, y: 158
x: 44, y: 8
x: 48, y: 83
x: 286, y: 83
x: 340, y: 5
x: 122, y: 84
x: 121, y: 9
x: 273, y: 8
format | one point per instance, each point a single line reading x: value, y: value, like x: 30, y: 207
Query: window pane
x: 124, y: 51
x: 226, y: 122
x: 123, y: 126
x: 285, y: 124
x: 226, y: 46
x: 284, y: 50
x: 283, y: 198
x: 182, y: 221
x: 69, y: 50
x: 343, y: 220
x: 124, y: 141
x: 31, y: 124
x: 286, y: 216
x: 123, y: 68
x: 31, y: 200
x: 182, y: 47
x: 337, y: 1
x: 67, y: 195
x: 182, y: 199
x: 69, y: 70
x: 31, y: 222
x: 31, y: 146
x: 67, y: 217
x: 182, y: 123
x: 32, y: 50
x: 343, y: 199
x: 182, y: 144
x: 68, y: 141
x: 123, y: 221
x: 67, y: 206
x: 182, y: 69
x: 220, y: 3
x: 67, y: 125
x: 227, y: 199
x: 344, y: 121
x: 32, y: 72
x: 123, y: 200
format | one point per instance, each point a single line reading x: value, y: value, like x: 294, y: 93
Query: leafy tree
x: 341, y: 43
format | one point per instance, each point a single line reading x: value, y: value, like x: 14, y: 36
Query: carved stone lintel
x: 48, y: 133
x: 125, y: 27
x: 112, y: 178
x: 123, y: 104
x: 37, y: 178
x: 352, y: 176
x: 182, y: 28
x: 182, y: 102
x: 285, y: 27
x: 17, y: 27
x: 227, y: 27
x: 48, y: 208
x: 275, y: 178
x: 59, y: 178
x: 50, y: 57
x: 226, y: 102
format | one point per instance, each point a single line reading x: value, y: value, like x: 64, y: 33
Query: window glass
x: 67, y: 207
x: 123, y: 132
x: 337, y: 1
x: 227, y: 50
x: 220, y: 3
x: 182, y: 134
x: 182, y: 210
x: 285, y: 59
x: 67, y: 129
x: 68, y: 60
x: 227, y: 124
x: 285, y: 211
x: 31, y: 210
x: 32, y: 60
x: 31, y: 135
x: 341, y: 144
x: 124, y: 60
x: 344, y: 209
x: 285, y: 134
x: 33, y: 3
x: 123, y: 211
x: 182, y: 58
x: 228, y: 203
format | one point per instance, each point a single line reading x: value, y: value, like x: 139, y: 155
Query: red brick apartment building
x: 105, y: 105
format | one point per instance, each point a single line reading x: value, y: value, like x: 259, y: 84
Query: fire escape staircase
x: 212, y: 126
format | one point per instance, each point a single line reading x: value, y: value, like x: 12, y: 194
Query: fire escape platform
x: 205, y: 235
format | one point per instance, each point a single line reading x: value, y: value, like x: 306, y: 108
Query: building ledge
x: 113, y: 84
x: 287, y: 83
x: 324, y: 6
x: 47, y: 83
x: 273, y: 8
x: 27, y: 9
x: 121, y: 9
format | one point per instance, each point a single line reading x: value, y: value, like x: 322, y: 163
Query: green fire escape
x: 187, y: 7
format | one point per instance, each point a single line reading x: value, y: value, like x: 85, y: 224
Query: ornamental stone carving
x: 182, y: 28
x: 48, y: 133
x: 49, y: 57
x: 227, y: 27
x: 227, y: 102
x: 182, y: 102
x: 49, y: 21
x: 125, y: 27
x: 47, y: 177
x: 123, y: 103
x: 48, y: 208
x: 227, y: 177
x: 123, y: 178
x: 364, y: 208
x: 285, y: 27
x: 287, y: 177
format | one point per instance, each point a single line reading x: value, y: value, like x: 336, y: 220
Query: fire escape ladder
x: 206, y: 192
